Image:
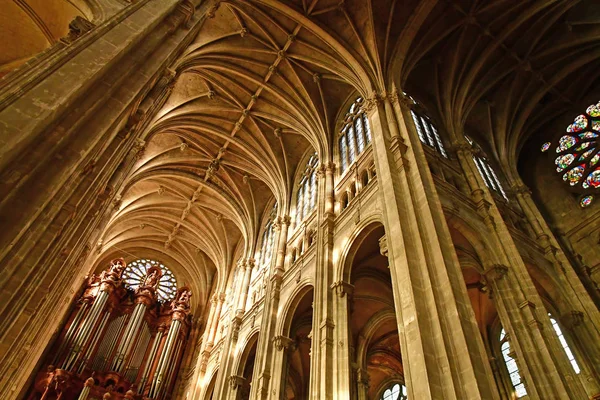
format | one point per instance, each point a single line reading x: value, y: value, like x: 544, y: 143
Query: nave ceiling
x: 266, y: 82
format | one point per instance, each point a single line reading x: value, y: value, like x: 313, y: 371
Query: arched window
x: 135, y: 274
x: 511, y: 366
x: 578, y: 153
x: 428, y: 133
x: 486, y: 171
x: 266, y: 247
x: 306, y: 198
x: 355, y: 134
x: 564, y: 344
x: 396, y: 391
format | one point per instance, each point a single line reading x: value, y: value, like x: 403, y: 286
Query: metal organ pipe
x: 129, y: 337
x: 68, y: 336
x: 94, y: 342
x: 148, y: 366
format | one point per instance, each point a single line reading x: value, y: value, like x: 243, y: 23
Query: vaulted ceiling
x: 265, y: 82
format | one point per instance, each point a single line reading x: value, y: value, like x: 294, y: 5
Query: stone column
x: 265, y: 373
x: 541, y: 359
x: 76, y: 102
x: 362, y: 381
x: 342, y: 340
x: 322, y: 344
x: 235, y: 383
x: 435, y: 318
x: 586, y: 330
x: 249, y: 265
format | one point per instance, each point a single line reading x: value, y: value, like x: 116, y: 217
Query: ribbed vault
x: 264, y: 81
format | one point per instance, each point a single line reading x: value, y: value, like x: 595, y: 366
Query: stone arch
x: 287, y: 311
x: 352, y: 243
x: 210, y: 387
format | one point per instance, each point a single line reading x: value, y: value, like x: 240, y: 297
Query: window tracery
x: 486, y: 171
x: 355, y: 134
x: 396, y: 391
x: 266, y: 249
x: 428, y: 133
x: 565, y: 345
x: 511, y: 366
x: 306, y: 197
x: 136, y: 272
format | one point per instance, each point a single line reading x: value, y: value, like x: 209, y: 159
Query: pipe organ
x: 119, y: 342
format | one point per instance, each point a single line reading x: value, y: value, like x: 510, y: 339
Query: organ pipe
x: 128, y: 340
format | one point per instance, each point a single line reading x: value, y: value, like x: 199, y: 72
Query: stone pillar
x: 235, y: 383
x: 249, y: 265
x: 58, y: 161
x: 435, y: 318
x: 541, y: 359
x: 342, y: 339
x: 322, y: 346
x: 586, y: 330
x: 362, y: 381
x: 265, y: 372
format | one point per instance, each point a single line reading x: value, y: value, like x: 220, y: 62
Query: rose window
x: 136, y: 272
x: 577, y: 152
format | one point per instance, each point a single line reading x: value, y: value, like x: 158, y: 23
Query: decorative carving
x: 213, y: 167
x: 496, y: 272
x: 111, y: 277
x: 572, y: 319
x: 78, y: 27
x: 282, y: 342
x: 383, y: 247
x: 181, y: 305
x: 342, y: 288
x: 236, y: 381
x: 277, y: 132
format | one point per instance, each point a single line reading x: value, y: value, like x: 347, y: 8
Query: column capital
x: 520, y: 189
x: 572, y: 319
x: 463, y: 146
x: 342, y: 288
x: 235, y: 381
x: 495, y: 272
x: 383, y: 246
x: 362, y: 376
x: 282, y: 342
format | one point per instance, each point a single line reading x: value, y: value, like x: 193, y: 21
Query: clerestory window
x: 428, y: 133
x: 511, y: 366
x: 486, y: 171
x: 306, y: 197
x: 355, y: 134
x: 396, y: 391
x: 268, y: 237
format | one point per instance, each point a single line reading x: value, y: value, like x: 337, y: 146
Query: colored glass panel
x: 593, y: 180
x: 588, y: 135
x: 586, y: 201
x: 565, y: 143
x: 587, y: 154
x: 596, y: 125
x: 594, y: 160
x: 563, y: 162
x: 578, y: 125
x: 574, y: 175
x: 594, y: 110
x: 545, y: 147
x: 583, y: 146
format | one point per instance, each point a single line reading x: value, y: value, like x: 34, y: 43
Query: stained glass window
x: 396, y: 392
x: 266, y: 249
x: 578, y: 157
x: 355, y: 134
x: 586, y: 201
x: 546, y: 147
x: 135, y: 275
x: 511, y: 366
x: 489, y: 176
x: 306, y: 199
x: 428, y: 133
x: 565, y: 345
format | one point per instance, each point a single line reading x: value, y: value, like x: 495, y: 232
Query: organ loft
x: 299, y: 200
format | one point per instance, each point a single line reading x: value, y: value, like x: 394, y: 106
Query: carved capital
x: 495, y: 272
x: 383, y: 247
x: 572, y: 319
x: 235, y: 381
x: 342, y: 288
x: 282, y: 342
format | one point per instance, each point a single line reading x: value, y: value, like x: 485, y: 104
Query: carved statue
x: 114, y: 273
x: 152, y: 278
x: 181, y: 304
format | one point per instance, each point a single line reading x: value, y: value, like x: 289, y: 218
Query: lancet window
x: 306, y: 198
x: 396, y: 391
x: 137, y: 270
x: 486, y: 171
x: 511, y: 366
x: 428, y: 133
x: 268, y: 236
x: 355, y: 134
x: 564, y: 344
